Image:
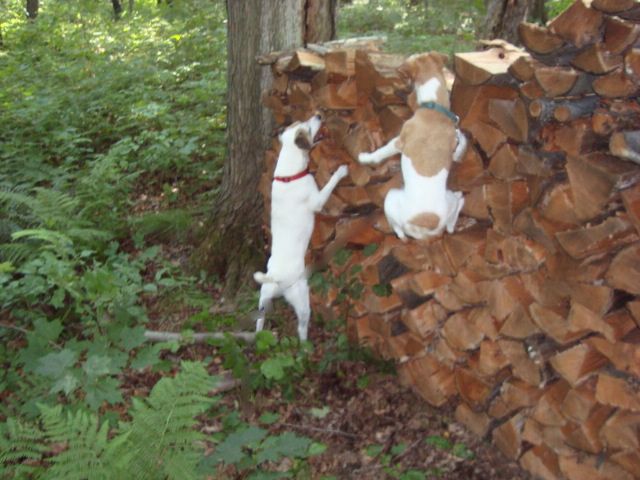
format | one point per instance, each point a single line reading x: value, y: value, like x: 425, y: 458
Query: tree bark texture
x: 234, y: 245
x: 32, y: 8
x: 504, y: 16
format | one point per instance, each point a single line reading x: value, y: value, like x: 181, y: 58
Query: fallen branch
x: 155, y: 336
x: 330, y: 431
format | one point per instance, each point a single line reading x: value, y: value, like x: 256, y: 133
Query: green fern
x: 159, y: 443
x: 89, y: 453
x: 21, y: 449
x: 162, y: 429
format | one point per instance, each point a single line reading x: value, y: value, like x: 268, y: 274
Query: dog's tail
x: 263, y: 278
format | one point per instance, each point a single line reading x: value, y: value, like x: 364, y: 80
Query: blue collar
x: 439, y: 108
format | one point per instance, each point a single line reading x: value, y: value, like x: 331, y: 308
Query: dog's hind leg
x: 298, y: 297
x: 268, y: 292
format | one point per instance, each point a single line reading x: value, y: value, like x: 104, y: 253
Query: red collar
x: 297, y: 176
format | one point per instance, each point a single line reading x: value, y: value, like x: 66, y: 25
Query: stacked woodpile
x: 527, y: 318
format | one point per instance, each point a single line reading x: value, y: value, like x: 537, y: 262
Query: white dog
x: 294, y: 200
x: 429, y: 141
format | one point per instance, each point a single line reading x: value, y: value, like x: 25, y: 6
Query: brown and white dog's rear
x: 429, y: 141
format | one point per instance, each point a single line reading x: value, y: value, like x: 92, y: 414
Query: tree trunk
x: 32, y: 9
x: 117, y: 8
x: 234, y: 247
x: 504, y: 16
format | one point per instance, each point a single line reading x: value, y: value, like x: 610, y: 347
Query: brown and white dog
x: 429, y: 141
x: 295, y: 199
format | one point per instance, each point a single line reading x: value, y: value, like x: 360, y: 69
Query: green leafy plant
x: 159, y: 442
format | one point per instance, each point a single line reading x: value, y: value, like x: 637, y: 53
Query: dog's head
x: 423, y: 66
x: 303, y: 135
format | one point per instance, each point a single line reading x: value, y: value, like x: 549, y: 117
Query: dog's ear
x: 440, y: 58
x: 303, y: 140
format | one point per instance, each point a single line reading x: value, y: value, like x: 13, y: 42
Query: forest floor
x: 373, y: 427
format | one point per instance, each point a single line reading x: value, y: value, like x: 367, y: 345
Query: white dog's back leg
x: 268, y: 292
x: 298, y: 297
x: 455, y: 200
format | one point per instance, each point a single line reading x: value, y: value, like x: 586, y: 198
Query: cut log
x: 460, y: 332
x: 597, y: 59
x: 511, y: 117
x: 583, y: 321
x: 478, y: 423
x: 531, y: 89
x: 585, y: 436
x: 579, y: 402
x: 538, y: 39
x: 468, y: 173
x: 476, y: 68
x: 424, y: 284
x: 622, y: 431
x: 553, y: 324
x: 556, y: 81
x: 490, y: 359
x: 587, y: 241
x: 514, y: 395
x: 304, y: 64
x: 508, y: 436
x: 579, y: 24
x: 524, y: 67
x: 617, y: 84
x: 594, y: 179
x: 425, y: 319
x: 548, y: 410
x: 340, y: 64
x: 578, y: 363
x: 489, y: 138
x: 505, y: 201
x: 626, y: 145
x: 541, y: 462
x: 592, y: 468
x: 629, y: 460
x: 619, y: 34
x: 570, y: 110
x: 613, y: 6
x: 624, y: 272
x: 522, y: 366
x: 432, y: 380
x: 631, y: 202
x: 616, y: 392
x: 632, y: 64
x: 474, y: 390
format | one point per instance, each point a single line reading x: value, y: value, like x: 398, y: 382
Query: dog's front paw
x: 342, y: 172
x: 365, y: 157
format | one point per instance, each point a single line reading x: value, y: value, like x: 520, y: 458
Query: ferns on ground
x: 160, y: 441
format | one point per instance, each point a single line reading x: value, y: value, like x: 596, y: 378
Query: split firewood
x: 539, y: 39
x: 587, y: 241
x: 616, y: 84
x: 622, y: 431
x: 624, y: 272
x: 628, y: 459
x: 577, y: 363
x: 579, y: 24
x: 581, y: 467
x: 594, y: 179
x: 632, y: 64
x: 432, y: 380
x: 580, y: 401
x: 626, y: 145
x: 508, y: 436
x: 524, y: 67
x: 613, y: 6
x: 556, y: 81
x: 542, y: 462
x: 619, y: 34
x: 478, y: 423
x: 597, y: 59
x: 617, y: 392
x: 511, y: 117
x: 476, y: 68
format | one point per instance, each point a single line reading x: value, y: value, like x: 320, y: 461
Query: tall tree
x: 504, y: 16
x: 32, y: 9
x: 233, y: 247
